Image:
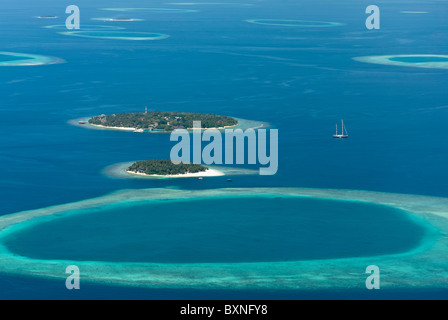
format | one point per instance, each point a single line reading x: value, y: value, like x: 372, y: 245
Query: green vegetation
x: 164, y: 167
x: 162, y: 121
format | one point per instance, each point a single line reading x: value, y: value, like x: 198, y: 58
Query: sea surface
x: 221, y: 230
x: 302, y: 80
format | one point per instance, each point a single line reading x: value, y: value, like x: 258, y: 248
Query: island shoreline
x: 429, y: 255
x: 243, y: 124
x: 158, y: 131
x: 207, y: 173
x: 119, y: 171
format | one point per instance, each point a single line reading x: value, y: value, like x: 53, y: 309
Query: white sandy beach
x: 113, y: 128
x: 207, y: 173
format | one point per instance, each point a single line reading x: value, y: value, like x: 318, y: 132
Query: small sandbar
x: 119, y: 171
x: 226, y: 4
x: 85, y: 27
x: 228, y: 229
x: 117, y: 19
x: 432, y: 61
x: 47, y: 17
x: 133, y: 36
x: 15, y: 59
x: 414, y: 12
x: 295, y: 23
x: 153, y: 10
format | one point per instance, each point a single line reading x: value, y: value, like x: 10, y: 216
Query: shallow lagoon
x: 421, y: 263
x: 410, y: 60
x: 13, y: 59
x: 226, y: 229
x: 117, y: 35
x: 152, y: 10
x: 84, y: 27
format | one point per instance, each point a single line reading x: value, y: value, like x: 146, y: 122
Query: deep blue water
x: 242, y: 229
x: 302, y: 80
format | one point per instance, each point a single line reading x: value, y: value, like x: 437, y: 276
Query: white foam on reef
x: 117, y: 19
x: 386, y: 60
x: 47, y: 17
x: 245, y: 124
x: 423, y: 267
x: 26, y: 59
x: 295, y: 23
x: 85, y: 27
x: 136, y: 36
x: 118, y: 171
x: 154, y: 10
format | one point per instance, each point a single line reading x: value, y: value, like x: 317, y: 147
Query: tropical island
x: 162, y: 121
x: 120, y: 19
x: 166, y: 168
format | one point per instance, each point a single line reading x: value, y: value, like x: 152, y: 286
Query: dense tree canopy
x: 161, y: 120
x: 164, y: 167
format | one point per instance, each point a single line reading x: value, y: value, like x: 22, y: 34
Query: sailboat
x: 344, y: 133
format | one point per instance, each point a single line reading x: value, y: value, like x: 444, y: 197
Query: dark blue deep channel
x: 237, y: 229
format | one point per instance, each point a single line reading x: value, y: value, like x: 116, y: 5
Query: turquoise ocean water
x: 301, y: 80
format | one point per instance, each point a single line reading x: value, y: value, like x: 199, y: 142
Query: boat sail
x: 344, y: 133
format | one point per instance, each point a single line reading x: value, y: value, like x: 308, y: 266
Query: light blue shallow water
x: 302, y: 80
x: 116, y: 35
x: 5, y: 58
x: 294, y: 23
x: 419, y: 59
x: 85, y: 27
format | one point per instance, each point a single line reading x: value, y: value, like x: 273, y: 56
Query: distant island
x: 166, y: 168
x: 120, y: 19
x: 161, y: 121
